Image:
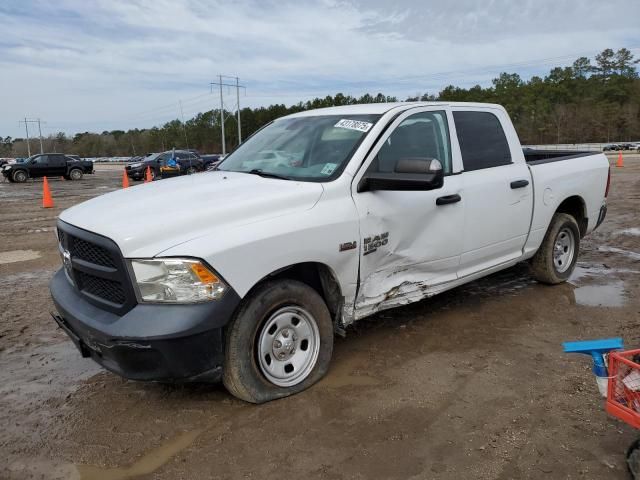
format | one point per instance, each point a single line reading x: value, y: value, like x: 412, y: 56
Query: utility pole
x: 224, y: 148
x: 237, y: 86
x: 184, y: 128
x: 238, y: 104
x: 40, y: 132
x: 26, y: 127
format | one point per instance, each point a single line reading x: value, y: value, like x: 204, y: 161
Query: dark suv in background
x: 188, y: 162
x: 47, y: 165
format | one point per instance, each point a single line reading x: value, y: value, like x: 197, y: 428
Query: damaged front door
x: 411, y: 240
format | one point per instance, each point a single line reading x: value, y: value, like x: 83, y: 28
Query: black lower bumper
x: 150, y: 342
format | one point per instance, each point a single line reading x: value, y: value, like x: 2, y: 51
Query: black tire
x: 75, y: 174
x: 19, y: 176
x: 544, y: 265
x: 243, y: 376
x: 633, y: 460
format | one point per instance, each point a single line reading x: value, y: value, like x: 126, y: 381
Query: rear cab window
x: 483, y: 143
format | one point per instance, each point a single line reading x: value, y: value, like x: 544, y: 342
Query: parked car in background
x: 613, y: 147
x: 627, y: 146
x: 318, y: 220
x: 49, y: 165
x: 188, y: 163
x: 210, y: 160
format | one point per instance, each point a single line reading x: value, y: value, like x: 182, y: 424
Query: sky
x: 94, y: 65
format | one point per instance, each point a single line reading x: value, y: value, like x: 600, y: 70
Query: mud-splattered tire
x: 281, y: 318
x: 556, y: 258
x: 19, y: 176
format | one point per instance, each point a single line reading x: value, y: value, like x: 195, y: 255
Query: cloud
x: 120, y: 64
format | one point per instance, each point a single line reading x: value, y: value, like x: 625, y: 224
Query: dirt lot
x: 471, y: 384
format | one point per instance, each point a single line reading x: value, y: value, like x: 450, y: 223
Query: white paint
x: 14, y: 256
x: 247, y: 227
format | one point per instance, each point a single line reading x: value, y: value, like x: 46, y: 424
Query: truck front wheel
x: 279, y: 343
x: 556, y: 258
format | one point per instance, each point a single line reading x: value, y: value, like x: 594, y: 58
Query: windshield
x: 303, y: 148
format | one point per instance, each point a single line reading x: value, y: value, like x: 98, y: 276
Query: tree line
x: 581, y: 103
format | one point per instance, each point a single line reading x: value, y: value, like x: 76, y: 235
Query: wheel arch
x: 577, y: 208
x: 316, y: 275
x: 21, y: 169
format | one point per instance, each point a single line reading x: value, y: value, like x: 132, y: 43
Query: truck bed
x: 535, y: 157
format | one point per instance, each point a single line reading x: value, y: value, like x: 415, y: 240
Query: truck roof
x: 380, y: 108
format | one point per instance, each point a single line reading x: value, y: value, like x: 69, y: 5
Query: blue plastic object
x: 595, y: 348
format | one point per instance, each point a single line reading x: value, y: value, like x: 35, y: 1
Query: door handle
x: 447, y: 199
x: 519, y: 183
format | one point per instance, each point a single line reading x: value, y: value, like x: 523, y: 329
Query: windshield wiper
x: 260, y: 172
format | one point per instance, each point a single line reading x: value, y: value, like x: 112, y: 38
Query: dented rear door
x: 408, y: 243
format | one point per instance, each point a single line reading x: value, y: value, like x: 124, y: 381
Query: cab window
x: 422, y: 135
x: 483, y: 143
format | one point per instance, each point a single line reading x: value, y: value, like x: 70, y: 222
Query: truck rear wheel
x: 19, y: 176
x: 556, y: 258
x: 75, y: 174
x: 279, y: 343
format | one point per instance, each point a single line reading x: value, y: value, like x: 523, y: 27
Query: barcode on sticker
x: 354, y: 125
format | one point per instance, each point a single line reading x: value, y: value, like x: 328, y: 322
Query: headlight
x: 136, y: 165
x: 176, y: 280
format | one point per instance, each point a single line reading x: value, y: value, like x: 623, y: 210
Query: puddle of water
x: 590, y: 271
x: 610, y: 295
x: 626, y: 253
x: 13, y: 256
x: 146, y: 465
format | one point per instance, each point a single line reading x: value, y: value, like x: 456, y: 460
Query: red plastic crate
x: 623, y: 395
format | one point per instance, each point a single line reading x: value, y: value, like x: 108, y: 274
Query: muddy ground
x: 470, y: 384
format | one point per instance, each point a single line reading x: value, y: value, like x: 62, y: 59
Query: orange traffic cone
x: 125, y: 180
x: 47, y: 200
x: 620, y: 162
x: 147, y: 176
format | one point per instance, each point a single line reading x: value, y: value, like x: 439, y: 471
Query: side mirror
x: 410, y: 174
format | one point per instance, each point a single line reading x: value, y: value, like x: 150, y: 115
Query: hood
x: 146, y: 219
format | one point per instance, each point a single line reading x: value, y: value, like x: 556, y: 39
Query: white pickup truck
x: 319, y: 219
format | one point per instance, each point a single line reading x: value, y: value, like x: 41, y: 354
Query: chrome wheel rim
x: 20, y: 177
x: 75, y: 175
x: 288, y: 346
x: 563, y: 250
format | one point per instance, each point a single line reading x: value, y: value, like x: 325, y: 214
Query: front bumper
x: 151, y: 341
x: 135, y: 174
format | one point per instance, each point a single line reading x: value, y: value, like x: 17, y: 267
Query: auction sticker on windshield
x: 328, y: 168
x: 354, y: 125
